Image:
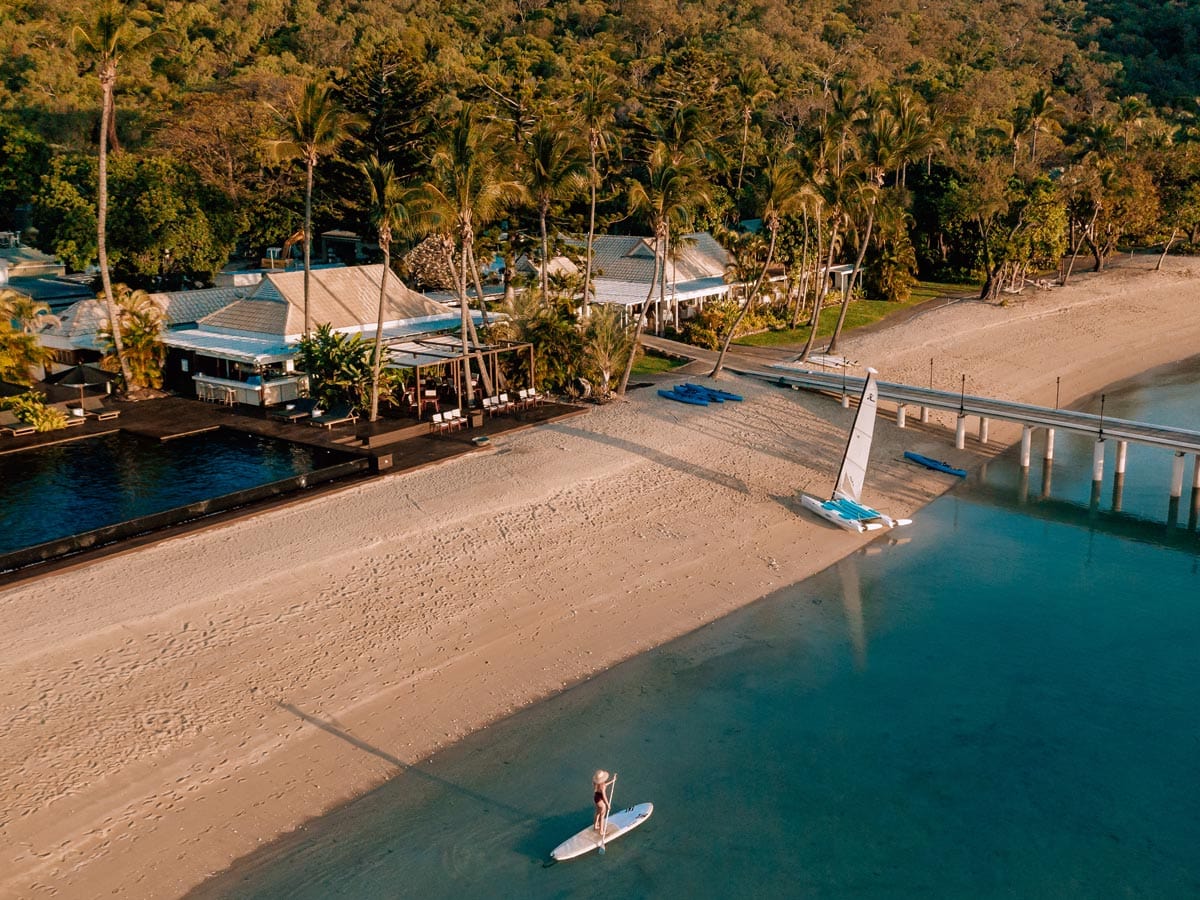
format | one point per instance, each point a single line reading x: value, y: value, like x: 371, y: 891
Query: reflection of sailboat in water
x: 853, y: 607
x: 843, y: 507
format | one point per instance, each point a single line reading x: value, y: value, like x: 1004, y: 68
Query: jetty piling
x: 1180, y: 441
x: 1098, y: 461
x: 1177, y: 475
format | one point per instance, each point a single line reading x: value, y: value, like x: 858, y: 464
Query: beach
x: 169, y: 709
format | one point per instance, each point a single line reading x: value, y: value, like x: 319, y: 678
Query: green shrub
x: 31, y: 409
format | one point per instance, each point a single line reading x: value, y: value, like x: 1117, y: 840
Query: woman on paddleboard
x: 602, y: 784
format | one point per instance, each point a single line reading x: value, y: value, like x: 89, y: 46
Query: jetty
x: 1180, y: 442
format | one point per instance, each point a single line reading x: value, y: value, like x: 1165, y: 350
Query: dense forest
x: 949, y: 138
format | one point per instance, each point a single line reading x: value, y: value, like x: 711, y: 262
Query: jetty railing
x: 1181, y: 441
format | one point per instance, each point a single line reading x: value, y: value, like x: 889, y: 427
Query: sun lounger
x: 93, y: 407
x: 294, y: 411
x: 338, y: 414
x: 14, y: 426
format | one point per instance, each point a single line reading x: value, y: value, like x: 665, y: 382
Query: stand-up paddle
x: 612, y: 789
x: 612, y: 825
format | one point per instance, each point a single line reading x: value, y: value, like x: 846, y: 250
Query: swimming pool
x: 62, y: 490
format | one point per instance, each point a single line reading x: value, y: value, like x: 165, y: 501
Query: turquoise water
x: 1002, y: 704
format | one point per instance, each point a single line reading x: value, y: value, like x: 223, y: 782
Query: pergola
x: 441, y: 351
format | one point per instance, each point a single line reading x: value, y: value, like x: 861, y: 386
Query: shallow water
x: 1003, y: 703
x: 64, y: 489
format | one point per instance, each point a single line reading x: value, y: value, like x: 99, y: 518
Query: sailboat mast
x: 858, y: 443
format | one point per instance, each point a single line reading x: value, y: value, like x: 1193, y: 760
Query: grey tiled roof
x: 631, y: 258
x: 254, y: 316
x: 342, y: 297
x: 188, y: 307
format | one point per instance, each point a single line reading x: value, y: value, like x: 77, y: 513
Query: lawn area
x: 861, y: 312
x: 653, y: 364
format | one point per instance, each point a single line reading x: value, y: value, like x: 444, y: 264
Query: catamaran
x: 843, y: 507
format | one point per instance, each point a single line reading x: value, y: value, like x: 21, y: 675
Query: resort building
x: 245, y: 351
x: 624, y: 267
x: 238, y: 344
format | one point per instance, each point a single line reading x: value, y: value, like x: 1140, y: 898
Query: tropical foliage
x: 20, y: 351
x: 340, y: 368
x: 31, y: 409
x: 141, y: 337
x: 952, y: 139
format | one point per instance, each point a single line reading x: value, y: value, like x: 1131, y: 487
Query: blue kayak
x: 935, y: 464
x: 685, y: 397
x: 692, y: 391
x: 715, y: 393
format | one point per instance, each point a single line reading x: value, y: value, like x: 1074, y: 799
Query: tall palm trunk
x: 107, y: 76
x: 662, y: 285
x: 820, y: 290
x: 478, y: 288
x: 464, y: 396
x: 862, y: 252
x: 641, y: 322
x: 310, y: 164
x: 543, y: 210
x: 385, y: 244
x: 483, y: 371
x: 594, y: 176
x: 737, y: 195
x: 803, y: 273
x: 750, y: 301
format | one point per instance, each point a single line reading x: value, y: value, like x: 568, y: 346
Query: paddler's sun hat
x: 600, y: 777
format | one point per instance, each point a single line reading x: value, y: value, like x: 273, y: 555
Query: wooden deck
x: 391, y: 445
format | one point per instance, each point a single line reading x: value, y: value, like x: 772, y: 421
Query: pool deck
x: 392, y: 446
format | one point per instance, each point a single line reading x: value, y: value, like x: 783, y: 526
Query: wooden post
x: 984, y: 423
x: 1122, y: 449
x: 924, y: 414
x: 1049, y: 444
x: 1026, y: 442
x: 900, y: 416
x: 960, y: 432
x: 1098, y: 461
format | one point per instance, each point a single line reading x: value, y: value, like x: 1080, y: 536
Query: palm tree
x: 115, y: 31
x: 466, y: 190
x: 140, y: 322
x: 783, y: 192
x: 751, y: 84
x: 554, y: 171
x: 314, y: 125
x: 389, y: 212
x: 19, y: 349
x: 880, y: 147
x: 833, y: 189
x: 671, y: 192
x: 597, y: 99
x: 1041, y: 110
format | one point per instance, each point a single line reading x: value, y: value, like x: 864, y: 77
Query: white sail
x: 853, y: 473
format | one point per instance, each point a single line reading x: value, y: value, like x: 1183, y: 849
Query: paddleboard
x: 589, y: 839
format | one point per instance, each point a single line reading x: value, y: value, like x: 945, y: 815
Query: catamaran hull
x: 845, y: 513
x: 830, y: 513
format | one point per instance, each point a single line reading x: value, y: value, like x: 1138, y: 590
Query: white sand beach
x: 167, y: 710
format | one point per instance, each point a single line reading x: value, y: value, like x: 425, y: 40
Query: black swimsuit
x: 598, y: 797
